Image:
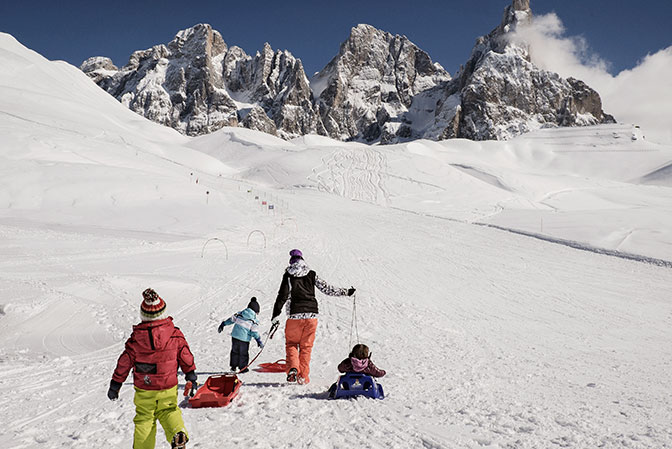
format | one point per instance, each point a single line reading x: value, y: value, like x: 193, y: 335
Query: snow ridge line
x: 558, y: 241
x: 582, y: 246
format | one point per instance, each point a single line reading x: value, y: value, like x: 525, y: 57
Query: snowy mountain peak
x: 365, y: 89
x: 499, y: 93
x: 363, y: 34
x: 98, y: 62
x: 380, y: 87
x: 98, y: 68
x: 499, y: 39
x: 515, y: 15
x: 366, y: 44
x: 200, y: 39
x: 518, y: 12
x: 364, y: 28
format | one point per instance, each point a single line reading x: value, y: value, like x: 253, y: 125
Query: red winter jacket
x: 154, y: 350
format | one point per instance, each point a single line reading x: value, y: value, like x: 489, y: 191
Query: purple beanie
x: 295, y: 255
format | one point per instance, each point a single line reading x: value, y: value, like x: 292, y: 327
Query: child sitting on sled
x: 245, y: 328
x: 359, y: 361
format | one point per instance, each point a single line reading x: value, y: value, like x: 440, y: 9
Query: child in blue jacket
x: 245, y: 328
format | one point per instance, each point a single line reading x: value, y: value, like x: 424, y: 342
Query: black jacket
x: 298, y: 285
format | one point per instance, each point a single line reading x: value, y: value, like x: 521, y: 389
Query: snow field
x: 514, y: 347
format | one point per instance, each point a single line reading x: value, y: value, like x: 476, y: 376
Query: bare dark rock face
x: 257, y: 119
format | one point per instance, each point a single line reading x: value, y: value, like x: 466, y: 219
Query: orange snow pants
x: 299, y: 339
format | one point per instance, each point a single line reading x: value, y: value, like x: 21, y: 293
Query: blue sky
x: 619, y: 31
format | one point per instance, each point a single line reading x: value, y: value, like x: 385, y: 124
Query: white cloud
x: 641, y: 95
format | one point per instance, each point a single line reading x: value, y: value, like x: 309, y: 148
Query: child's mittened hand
x: 220, y: 328
x: 191, y: 388
x: 113, y: 392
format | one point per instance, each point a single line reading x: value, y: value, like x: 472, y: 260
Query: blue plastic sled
x: 356, y: 384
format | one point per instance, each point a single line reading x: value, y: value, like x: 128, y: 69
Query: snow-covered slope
x: 601, y: 185
x: 490, y: 339
x: 72, y: 154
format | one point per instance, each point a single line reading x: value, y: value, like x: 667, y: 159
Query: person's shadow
x: 265, y: 384
x: 319, y: 396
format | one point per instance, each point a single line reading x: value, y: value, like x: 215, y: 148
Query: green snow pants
x: 151, y: 405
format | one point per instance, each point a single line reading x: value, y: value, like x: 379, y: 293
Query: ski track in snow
x: 356, y: 174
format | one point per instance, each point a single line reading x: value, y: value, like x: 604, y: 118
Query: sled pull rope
x: 353, y: 323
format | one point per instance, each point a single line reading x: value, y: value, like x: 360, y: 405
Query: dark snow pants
x: 240, y: 355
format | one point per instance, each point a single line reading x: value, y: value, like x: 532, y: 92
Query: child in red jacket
x: 154, y: 351
x: 359, y: 361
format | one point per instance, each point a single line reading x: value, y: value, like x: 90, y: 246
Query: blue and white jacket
x: 245, y: 325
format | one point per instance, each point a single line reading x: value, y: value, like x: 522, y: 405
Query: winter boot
x: 179, y: 441
x: 291, y: 375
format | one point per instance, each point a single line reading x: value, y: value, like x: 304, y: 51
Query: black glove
x: 274, y: 327
x: 192, y: 386
x: 351, y: 291
x: 113, y: 392
x: 221, y: 327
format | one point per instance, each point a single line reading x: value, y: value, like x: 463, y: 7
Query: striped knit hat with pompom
x: 152, y: 307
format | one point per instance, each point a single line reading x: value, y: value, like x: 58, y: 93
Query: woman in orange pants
x: 298, y: 287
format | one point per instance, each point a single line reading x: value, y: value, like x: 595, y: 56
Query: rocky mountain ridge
x: 499, y: 93
x: 197, y: 84
x: 378, y: 88
x: 370, y: 84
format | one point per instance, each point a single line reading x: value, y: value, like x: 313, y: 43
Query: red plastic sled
x: 217, y: 391
x: 279, y: 366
